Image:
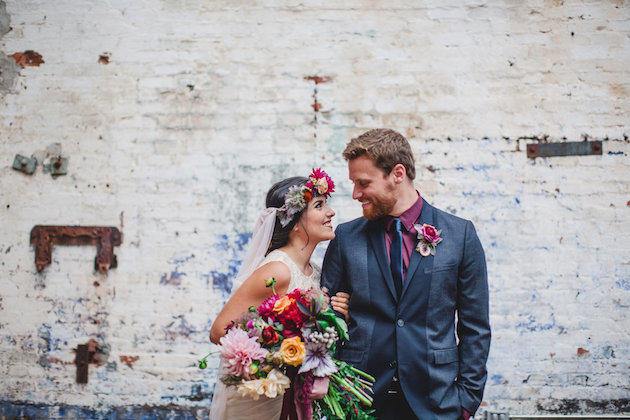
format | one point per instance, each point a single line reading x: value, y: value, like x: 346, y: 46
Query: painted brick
x: 203, y: 105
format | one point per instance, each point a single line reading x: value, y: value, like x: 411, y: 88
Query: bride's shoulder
x: 276, y: 269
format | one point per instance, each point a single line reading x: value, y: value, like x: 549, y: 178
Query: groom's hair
x: 275, y: 198
x: 386, y: 148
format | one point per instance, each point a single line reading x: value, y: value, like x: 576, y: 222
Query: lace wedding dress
x: 227, y: 404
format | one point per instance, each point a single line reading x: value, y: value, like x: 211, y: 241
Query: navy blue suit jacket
x: 437, y: 335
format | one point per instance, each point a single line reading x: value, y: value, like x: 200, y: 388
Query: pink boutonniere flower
x: 428, y: 237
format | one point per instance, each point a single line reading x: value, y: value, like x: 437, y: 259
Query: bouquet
x: 287, y: 343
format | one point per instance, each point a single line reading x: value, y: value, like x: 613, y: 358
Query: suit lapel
x: 417, y: 261
x: 377, y: 238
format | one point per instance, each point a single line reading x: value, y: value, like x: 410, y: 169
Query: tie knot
x: 397, y: 224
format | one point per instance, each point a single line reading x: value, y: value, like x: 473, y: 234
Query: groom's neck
x: 406, y: 197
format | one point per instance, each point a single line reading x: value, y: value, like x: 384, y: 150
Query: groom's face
x: 372, y: 188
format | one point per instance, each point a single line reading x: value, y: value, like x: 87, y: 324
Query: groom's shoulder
x: 352, y: 227
x: 450, y: 219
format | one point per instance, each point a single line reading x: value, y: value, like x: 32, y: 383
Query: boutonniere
x: 429, y: 238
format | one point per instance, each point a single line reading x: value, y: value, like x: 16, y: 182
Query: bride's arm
x: 252, y: 292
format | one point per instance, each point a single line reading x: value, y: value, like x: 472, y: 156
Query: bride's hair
x: 275, y: 198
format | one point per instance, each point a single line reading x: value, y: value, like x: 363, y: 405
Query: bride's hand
x: 340, y: 302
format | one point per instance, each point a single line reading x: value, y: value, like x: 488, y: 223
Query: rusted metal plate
x: 572, y: 148
x: 82, y: 363
x: 86, y: 354
x: 105, y: 238
x: 24, y: 164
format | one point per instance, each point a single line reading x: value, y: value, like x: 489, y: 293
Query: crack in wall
x: 316, y: 105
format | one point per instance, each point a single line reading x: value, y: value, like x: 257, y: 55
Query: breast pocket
x: 442, y: 268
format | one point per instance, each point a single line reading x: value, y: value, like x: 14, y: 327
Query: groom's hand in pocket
x: 340, y: 303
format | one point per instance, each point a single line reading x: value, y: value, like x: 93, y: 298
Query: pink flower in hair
x: 238, y: 351
x: 323, y: 184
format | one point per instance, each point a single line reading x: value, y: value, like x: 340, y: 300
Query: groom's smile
x: 372, y: 188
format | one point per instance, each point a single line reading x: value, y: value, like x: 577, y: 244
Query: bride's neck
x: 300, y: 253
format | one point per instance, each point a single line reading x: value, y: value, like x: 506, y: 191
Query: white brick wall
x: 205, y: 104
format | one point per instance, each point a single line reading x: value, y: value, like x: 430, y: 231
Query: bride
x: 296, y: 219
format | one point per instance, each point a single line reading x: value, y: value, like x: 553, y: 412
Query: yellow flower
x: 282, y: 304
x: 293, y: 351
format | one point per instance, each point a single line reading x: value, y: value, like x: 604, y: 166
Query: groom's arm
x: 473, y: 326
x: 333, y: 272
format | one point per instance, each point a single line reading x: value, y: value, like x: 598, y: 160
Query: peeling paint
x: 129, y: 360
x: 28, y: 58
x: 9, y: 73
x: 104, y: 58
x: 4, y: 19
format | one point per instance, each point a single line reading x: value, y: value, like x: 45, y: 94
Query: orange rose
x: 282, y: 304
x: 293, y: 351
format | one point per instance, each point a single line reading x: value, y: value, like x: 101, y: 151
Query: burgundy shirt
x: 409, y: 233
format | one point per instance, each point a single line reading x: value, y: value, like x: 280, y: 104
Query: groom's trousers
x: 395, y: 405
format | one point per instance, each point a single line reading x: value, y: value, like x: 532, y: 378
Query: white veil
x: 258, y: 246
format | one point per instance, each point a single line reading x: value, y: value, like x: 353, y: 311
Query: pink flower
x: 266, y: 308
x: 322, y: 182
x: 238, y: 350
x: 430, y: 233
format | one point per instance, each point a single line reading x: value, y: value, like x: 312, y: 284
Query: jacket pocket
x: 437, y: 269
x: 444, y: 356
x: 350, y: 355
x: 443, y: 371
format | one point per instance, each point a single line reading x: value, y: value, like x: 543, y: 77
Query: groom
x: 419, y: 296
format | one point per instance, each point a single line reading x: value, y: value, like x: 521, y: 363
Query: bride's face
x: 316, y: 220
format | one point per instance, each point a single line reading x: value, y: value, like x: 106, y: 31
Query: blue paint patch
x: 232, y: 248
x: 173, y: 279
x: 623, y: 284
x: 179, y: 327
x: 498, y: 379
x: 483, y: 168
x: 199, y: 392
x: 242, y: 239
x: 181, y: 260
x: 223, y: 280
x: 531, y: 325
x: 517, y: 200
x: 23, y: 409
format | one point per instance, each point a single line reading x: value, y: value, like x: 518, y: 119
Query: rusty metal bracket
x: 85, y: 354
x: 24, y: 164
x: 105, y: 239
x: 572, y: 148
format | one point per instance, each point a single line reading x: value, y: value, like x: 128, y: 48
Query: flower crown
x: 298, y: 196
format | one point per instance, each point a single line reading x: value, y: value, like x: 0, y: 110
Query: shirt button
x: 400, y: 323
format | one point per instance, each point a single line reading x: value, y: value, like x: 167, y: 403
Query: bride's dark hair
x: 275, y: 198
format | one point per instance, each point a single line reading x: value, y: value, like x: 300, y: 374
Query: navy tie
x: 396, y: 260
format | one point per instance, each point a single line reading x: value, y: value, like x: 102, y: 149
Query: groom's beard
x: 380, y: 207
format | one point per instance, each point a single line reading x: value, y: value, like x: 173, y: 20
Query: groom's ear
x: 398, y: 173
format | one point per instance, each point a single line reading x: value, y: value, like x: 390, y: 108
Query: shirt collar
x: 409, y: 217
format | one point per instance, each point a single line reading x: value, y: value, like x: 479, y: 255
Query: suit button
x: 392, y: 364
x: 400, y: 323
